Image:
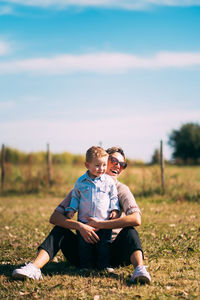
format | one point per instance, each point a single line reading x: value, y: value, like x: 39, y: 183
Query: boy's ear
x: 86, y: 164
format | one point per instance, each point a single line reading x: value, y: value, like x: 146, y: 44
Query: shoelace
x: 26, y: 264
x: 31, y: 266
x: 140, y: 268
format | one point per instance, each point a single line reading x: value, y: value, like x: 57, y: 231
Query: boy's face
x: 97, y: 166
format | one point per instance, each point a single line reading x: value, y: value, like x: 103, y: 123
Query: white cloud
x: 4, y: 48
x: 174, y: 2
x: 6, y: 10
x: 125, y: 4
x: 6, y: 105
x: 138, y: 135
x: 100, y: 63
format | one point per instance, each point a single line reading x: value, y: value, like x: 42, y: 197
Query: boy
x: 94, y: 195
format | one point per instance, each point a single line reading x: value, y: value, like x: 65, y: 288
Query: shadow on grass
x: 61, y: 268
x: 6, y: 269
x: 64, y: 268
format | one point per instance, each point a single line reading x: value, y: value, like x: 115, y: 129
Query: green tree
x: 186, y: 143
x: 155, y: 159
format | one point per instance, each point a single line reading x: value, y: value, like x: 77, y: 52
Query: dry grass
x: 181, y: 183
x: 170, y: 235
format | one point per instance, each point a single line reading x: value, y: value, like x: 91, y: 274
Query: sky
x: 77, y: 73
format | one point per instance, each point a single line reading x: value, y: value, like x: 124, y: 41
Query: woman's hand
x: 94, y: 222
x: 88, y: 233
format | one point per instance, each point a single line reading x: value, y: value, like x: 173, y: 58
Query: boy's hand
x: 69, y: 214
x: 114, y: 214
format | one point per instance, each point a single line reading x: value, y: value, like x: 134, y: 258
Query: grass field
x: 181, y: 182
x: 170, y: 235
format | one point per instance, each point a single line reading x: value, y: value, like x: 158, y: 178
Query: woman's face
x: 114, y: 169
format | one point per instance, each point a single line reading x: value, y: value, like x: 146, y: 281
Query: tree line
x: 185, y: 143
x: 15, y: 156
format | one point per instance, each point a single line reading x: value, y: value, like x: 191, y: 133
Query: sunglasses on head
x: 115, y: 161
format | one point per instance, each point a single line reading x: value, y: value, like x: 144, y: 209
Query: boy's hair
x: 114, y: 150
x: 95, y: 152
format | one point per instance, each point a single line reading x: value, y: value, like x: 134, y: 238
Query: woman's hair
x: 114, y: 150
x: 95, y: 152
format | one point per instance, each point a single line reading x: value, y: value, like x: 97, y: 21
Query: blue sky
x: 77, y: 73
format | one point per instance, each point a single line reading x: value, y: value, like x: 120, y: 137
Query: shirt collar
x: 86, y: 176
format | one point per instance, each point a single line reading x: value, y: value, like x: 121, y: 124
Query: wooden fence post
x: 49, y: 165
x: 2, y: 166
x: 162, y: 167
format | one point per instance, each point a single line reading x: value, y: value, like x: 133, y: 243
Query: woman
x: 125, y: 249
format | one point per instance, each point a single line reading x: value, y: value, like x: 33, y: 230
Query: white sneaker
x: 27, y: 271
x: 140, y: 275
x: 109, y: 269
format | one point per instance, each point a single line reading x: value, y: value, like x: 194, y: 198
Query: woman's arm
x: 133, y: 219
x: 87, y: 231
x: 59, y: 219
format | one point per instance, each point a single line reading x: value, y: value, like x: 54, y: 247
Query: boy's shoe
x: 27, y: 271
x: 140, y: 275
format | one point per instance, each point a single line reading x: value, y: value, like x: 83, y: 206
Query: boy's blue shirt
x: 94, y: 197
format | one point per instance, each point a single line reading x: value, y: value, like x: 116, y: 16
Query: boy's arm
x: 58, y: 216
x: 75, y: 199
x: 114, y: 214
x: 114, y: 201
x: 65, y: 203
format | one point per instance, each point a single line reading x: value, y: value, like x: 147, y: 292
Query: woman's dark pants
x: 95, y: 255
x: 126, y: 242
